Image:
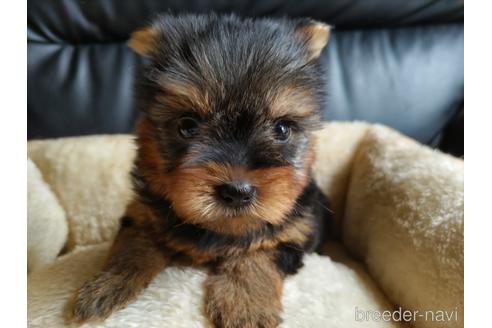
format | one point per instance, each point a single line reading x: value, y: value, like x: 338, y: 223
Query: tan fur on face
x: 292, y: 101
x: 191, y: 190
x: 192, y: 193
x: 245, y: 292
x: 184, y: 96
x: 149, y: 159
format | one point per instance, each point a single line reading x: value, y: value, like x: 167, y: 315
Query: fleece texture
x: 406, y: 223
x: 398, y: 208
x: 90, y: 178
x: 47, y: 226
x: 324, y: 294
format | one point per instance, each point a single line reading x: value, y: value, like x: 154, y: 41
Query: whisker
x: 326, y: 208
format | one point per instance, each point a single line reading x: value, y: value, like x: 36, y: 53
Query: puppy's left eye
x: 188, y: 127
x: 282, y: 130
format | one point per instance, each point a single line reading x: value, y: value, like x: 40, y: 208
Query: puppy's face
x: 229, y: 110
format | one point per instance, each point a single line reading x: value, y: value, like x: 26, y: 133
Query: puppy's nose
x: 236, y: 194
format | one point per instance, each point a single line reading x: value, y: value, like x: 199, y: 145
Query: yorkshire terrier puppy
x: 222, y: 177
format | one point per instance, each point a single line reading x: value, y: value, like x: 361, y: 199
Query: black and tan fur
x: 251, y: 91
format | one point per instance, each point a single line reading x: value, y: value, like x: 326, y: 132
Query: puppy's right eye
x: 188, y: 127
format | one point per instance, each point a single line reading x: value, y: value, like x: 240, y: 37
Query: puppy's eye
x: 282, y: 130
x: 188, y: 127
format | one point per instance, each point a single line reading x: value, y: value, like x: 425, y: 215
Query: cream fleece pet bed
x: 399, y: 213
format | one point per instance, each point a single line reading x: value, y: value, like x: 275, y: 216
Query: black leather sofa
x: 396, y: 62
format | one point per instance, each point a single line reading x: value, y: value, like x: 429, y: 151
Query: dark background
x: 395, y: 62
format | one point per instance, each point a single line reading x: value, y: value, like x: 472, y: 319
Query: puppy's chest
x: 203, y: 246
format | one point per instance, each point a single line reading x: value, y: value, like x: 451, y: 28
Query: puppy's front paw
x: 99, y: 297
x: 231, y: 303
x: 237, y: 313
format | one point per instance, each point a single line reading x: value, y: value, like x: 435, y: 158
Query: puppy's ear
x: 315, y: 35
x: 142, y: 41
